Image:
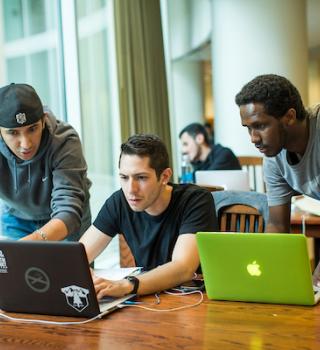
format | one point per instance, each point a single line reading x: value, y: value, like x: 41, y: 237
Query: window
x: 66, y: 50
x: 32, y: 48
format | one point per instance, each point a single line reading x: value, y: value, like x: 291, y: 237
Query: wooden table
x: 211, y: 325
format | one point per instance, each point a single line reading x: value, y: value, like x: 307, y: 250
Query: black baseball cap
x: 20, y: 105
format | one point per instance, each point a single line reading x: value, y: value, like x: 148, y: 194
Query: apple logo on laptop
x: 254, y: 269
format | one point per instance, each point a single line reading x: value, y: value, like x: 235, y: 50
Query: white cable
x: 175, y: 308
x: 27, y: 320
x: 303, y: 222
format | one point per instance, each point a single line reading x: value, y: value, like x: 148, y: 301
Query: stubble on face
x: 267, y: 133
x: 140, y: 184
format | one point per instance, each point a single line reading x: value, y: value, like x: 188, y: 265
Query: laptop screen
x: 228, y: 179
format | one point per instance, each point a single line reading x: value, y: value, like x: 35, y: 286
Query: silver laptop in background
x: 237, y: 180
x: 51, y: 278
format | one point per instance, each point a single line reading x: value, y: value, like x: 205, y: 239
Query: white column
x: 249, y: 38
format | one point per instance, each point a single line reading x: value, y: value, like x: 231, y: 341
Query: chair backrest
x: 241, y: 211
x: 240, y: 218
x: 126, y: 257
x: 253, y: 165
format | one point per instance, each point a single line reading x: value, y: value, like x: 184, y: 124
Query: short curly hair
x: 147, y: 145
x: 276, y: 93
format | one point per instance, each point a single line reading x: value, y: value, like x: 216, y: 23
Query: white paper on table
x: 117, y: 273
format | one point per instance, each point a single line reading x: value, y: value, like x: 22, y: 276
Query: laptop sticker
x: 37, y: 279
x: 3, y: 263
x: 76, y: 297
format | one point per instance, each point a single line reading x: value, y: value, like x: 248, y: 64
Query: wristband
x: 42, y: 234
x: 135, y: 283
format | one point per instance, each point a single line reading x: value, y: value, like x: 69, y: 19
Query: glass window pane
x: 16, y: 70
x: 36, y: 16
x: 95, y: 101
x: 35, y: 59
x: 43, y: 66
x: 12, y: 19
x: 86, y: 7
x: 100, y: 128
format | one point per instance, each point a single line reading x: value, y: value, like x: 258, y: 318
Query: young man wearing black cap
x: 44, y: 186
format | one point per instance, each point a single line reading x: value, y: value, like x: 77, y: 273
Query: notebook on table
x: 51, y: 278
x: 237, y: 180
x: 256, y: 267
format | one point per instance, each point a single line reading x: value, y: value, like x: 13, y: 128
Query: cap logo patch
x: 21, y: 118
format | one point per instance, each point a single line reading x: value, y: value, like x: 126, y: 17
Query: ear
x: 166, y: 175
x: 290, y: 117
x: 199, y: 139
x: 43, y: 120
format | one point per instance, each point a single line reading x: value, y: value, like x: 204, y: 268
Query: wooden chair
x: 251, y: 165
x: 126, y: 257
x: 240, y: 218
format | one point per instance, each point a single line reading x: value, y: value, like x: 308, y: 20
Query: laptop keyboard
x: 106, y: 299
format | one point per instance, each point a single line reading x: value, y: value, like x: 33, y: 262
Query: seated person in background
x: 289, y: 136
x: 203, y: 156
x: 44, y: 186
x: 158, y: 220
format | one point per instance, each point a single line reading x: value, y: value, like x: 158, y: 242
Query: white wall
x: 251, y: 38
x: 189, y: 24
x: 187, y: 93
x: 186, y: 27
x: 200, y: 24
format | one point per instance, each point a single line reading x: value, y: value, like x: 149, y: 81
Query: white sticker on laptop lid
x: 3, y: 263
x: 77, y: 297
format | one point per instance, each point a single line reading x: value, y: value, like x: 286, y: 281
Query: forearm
x: 95, y: 242
x: 53, y: 230
x: 161, y: 278
x: 164, y: 277
x: 279, y: 219
x: 185, y: 261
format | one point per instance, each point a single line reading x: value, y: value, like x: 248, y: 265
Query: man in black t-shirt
x: 204, y: 155
x: 158, y: 219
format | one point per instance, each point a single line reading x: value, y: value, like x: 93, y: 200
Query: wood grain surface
x: 211, y: 325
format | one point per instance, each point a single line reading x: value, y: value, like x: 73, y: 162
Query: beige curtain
x: 141, y: 69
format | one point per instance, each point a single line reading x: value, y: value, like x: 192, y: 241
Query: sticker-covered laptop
x: 51, y: 278
x: 257, y: 267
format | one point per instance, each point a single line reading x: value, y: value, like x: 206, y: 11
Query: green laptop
x: 257, y: 267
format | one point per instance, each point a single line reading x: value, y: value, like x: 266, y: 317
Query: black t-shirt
x: 152, y: 238
x: 220, y: 158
